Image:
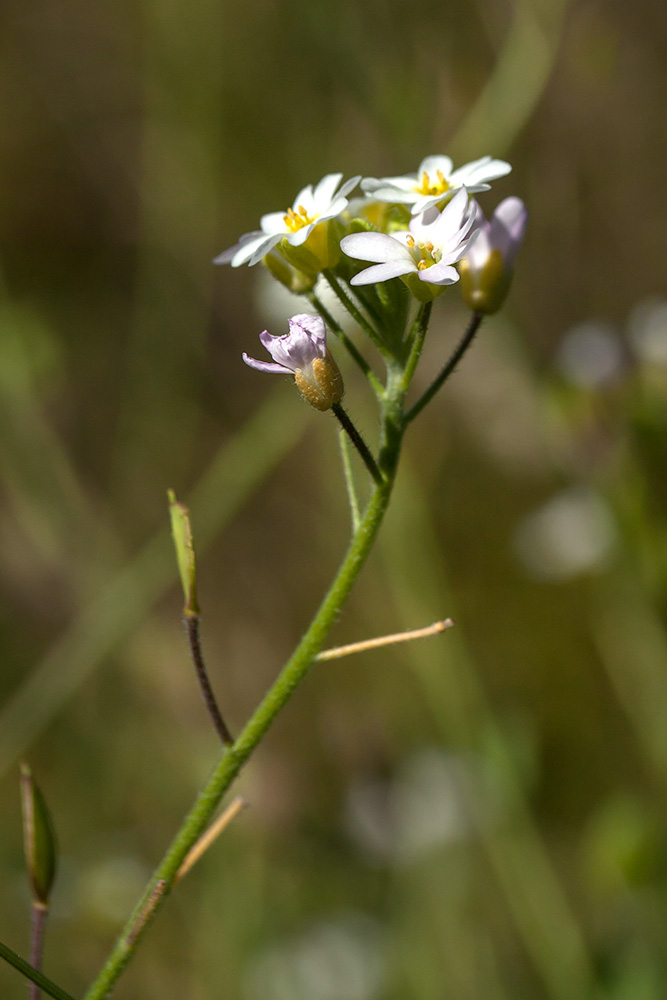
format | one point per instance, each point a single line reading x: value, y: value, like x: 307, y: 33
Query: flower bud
x: 38, y: 838
x: 297, y: 281
x: 486, y: 269
x: 321, y: 383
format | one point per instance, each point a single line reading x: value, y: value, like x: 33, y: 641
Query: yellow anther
x: 297, y: 220
x: 439, y: 186
x: 410, y: 240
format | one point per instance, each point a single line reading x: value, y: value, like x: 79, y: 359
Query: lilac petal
x: 314, y: 328
x: 265, y: 366
x: 293, y: 350
x: 384, y: 272
x: 507, y: 228
x: 439, y: 274
x: 374, y: 247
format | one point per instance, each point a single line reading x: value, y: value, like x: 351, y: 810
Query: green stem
x: 462, y: 347
x: 358, y: 442
x: 353, y: 310
x: 33, y: 975
x: 349, y: 480
x: 334, y: 325
x: 235, y: 756
x: 420, y: 327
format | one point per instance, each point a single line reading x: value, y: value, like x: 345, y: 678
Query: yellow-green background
x: 481, y: 816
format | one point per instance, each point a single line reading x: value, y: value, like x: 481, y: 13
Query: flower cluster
x: 425, y: 229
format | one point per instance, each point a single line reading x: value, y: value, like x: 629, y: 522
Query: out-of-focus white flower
x: 426, y: 252
x: 338, y: 959
x: 572, y: 533
x: 435, y: 182
x: 312, y: 206
x: 486, y: 269
x: 590, y: 355
x: 303, y: 353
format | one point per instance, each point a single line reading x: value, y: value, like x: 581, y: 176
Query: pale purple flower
x: 503, y: 232
x: 312, y: 206
x: 303, y: 353
x: 435, y: 181
x: 434, y: 242
x: 486, y: 269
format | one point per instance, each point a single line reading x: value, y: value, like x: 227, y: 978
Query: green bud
x: 38, y: 838
x: 185, y: 552
x: 291, y: 277
x: 485, y: 289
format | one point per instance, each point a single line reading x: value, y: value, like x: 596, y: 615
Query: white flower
x: 311, y: 207
x: 435, y: 181
x: 435, y: 241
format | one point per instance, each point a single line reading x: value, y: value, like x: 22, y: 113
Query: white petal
x: 349, y: 186
x: 261, y: 251
x: 274, y: 223
x: 439, y: 274
x: 324, y: 192
x: 383, y: 272
x: 374, y: 247
x: 304, y: 197
x: 431, y: 164
x: 481, y: 171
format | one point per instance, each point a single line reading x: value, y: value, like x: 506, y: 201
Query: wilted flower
x: 435, y: 181
x: 435, y: 241
x: 312, y: 206
x: 303, y: 353
x: 486, y: 269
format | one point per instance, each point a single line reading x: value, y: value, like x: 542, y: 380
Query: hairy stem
x: 234, y: 756
x: 358, y: 442
x: 463, y: 345
x: 191, y: 623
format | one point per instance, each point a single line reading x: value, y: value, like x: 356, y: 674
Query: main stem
x: 235, y: 756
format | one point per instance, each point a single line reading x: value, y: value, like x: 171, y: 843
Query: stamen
x: 410, y: 240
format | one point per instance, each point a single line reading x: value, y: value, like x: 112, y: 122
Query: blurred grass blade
x: 124, y: 600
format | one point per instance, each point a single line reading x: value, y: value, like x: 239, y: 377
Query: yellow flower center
x: 297, y: 220
x: 436, y: 186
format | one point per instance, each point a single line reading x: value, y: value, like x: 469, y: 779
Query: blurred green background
x: 481, y: 815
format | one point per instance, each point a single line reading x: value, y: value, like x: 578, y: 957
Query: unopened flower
x: 312, y: 207
x: 486, y: 269
x: 424, y: 255
x: 303, y: 353
x: 435, y: 182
